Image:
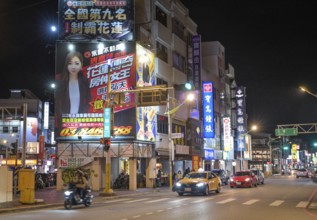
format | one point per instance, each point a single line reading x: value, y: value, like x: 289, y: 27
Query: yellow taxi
x: 198, y: 182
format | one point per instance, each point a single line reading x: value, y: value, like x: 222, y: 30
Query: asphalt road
x: 281, y: 197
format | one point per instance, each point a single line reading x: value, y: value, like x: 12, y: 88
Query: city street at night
x: 281, y: 197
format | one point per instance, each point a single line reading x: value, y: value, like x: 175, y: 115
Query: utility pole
x: 25, y: 109
x: 108, y: 191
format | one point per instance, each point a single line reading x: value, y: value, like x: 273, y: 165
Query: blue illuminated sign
x: 107, y: 123
x: 209, y: 154
x: 208, y: 110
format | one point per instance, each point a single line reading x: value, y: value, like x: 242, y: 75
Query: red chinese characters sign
x: 92, y: 19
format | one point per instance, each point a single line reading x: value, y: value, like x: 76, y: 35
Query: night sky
x: 271, y: 44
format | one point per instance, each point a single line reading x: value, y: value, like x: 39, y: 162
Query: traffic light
x: 107, y: 143
x: 189, y: 86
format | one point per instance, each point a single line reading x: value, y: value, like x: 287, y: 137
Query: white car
x: 259, y: 176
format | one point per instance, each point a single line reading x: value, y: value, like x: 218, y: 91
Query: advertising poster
x: 31, y: 130
x: 146, y: 116
x: 81, y: 85
x: 96, y: 19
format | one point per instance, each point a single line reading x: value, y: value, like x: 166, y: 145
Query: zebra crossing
x: 217, y: 201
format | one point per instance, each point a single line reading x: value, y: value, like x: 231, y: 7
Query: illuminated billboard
x: 208, y: 110
x: 241, y: 118
x: 81, y: 85
x: 96, y: 19
x: 145, y: 116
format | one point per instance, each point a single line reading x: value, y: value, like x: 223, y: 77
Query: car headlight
x: 200, y: 184
x: 247, y: 179
x: 178, y: 184
x: 231, y: 180
x: 67, y: 193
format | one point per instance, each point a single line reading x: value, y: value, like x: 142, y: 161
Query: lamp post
x: 253, y: 128
x: 170, y: 113
x: 270, y: 146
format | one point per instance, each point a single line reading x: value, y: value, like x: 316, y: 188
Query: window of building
x: 15, y: 129
x: 160, y: 81
x: 161, y: 16
x: 161, y: 52
x: 162, y: 124
x: 178, y: 61
x: 5, y: 129
x: 178, y: 29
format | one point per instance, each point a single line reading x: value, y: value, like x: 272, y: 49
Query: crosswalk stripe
x: 277, y: 203
x: 115, y: 200
x: 137, y: 200
x: 179, y: 200
x: 157, y: 200
x: 202, y: 200
x: 250, y: 202
x: 302, y: 204
x: 225, y: 201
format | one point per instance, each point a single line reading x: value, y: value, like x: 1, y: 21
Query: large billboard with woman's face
x: 82, y: 71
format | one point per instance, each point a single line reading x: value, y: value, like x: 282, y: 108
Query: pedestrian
x: 179, y: 175
x: 158, y: 179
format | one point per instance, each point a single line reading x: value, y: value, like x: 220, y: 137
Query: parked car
x: 224, y: 176
x: 302, y: 173
x: 198, y: 182
x: 243, y: 179
x: 294, y: 171
x: 259, y: 176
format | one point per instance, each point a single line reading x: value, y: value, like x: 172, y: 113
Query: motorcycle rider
x: 82, y: 184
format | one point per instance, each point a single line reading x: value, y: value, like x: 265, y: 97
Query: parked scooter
x: 72, y: 197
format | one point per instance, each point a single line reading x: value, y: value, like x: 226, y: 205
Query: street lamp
x: 253, y: 128
x: 307, y: 91
x: 170, y: 113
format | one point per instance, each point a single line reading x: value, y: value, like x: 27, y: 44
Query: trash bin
x: 26, y: 186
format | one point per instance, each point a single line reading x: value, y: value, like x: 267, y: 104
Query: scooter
x: 72, y: 197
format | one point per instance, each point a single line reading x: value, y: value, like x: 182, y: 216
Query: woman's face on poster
x: 74, y: 66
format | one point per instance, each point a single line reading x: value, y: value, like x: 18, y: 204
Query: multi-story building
x: 164, y: 30
x: 23, y: 115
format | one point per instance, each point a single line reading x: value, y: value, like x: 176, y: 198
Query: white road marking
x: 277, y: 203
x: 157, y: 200
x: 137, y: 200
x: 202, y: 200
x: 225, y: 201
x: 302, y: 204
x: 250, y: 202
x: 136, y: 216
x: 179, y: 200
x: 115, y: 200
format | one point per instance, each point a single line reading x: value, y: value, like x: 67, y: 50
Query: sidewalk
x: 49, y: 197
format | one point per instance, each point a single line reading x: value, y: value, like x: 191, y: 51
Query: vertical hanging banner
x: 196, y: 45
x: 46, y: 114
x: 208, y: 110
x: 107, y: 123
x: 41, y: 147
x: 241, y: 117
x: 96, y: 19
x: 226, y: 121
x: 145, y: 116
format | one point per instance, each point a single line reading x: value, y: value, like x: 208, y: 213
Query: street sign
x: 286, y: 132
x: 177, y: 135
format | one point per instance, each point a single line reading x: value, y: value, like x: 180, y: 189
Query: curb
x: 97, y: 199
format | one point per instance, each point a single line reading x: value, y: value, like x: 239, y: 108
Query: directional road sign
x: 286, y: 132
